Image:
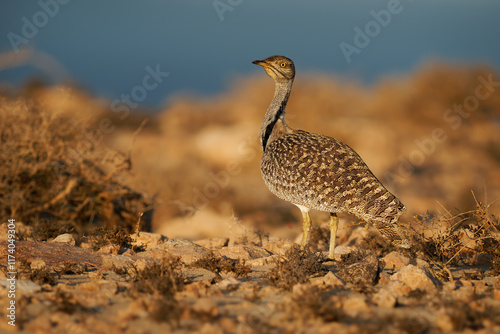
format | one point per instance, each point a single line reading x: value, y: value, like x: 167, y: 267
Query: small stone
x: 213, y: 243
x: 187, y: 251
x: 354, y: 305
x: 143, y: 264
x: 118, y: 262
x: 399, y: 288
x: 422, y: 264
x: 263, y: 261
x: 301, y: 289
x: 228, y: 324
x: 209, y: 328
x: 364, y: 272
x: 199, y: 274
x: 147, y: 240
x: 244, y: 252
x: 444, y: 321
x: 395, y: 260
x: 384, y: 278
x: 332, y: 280
x: 206, y: 306
x: 496, y: 294
x: 464, y: 282
x: 110, y: 249
x: 229, y: 283
x: 65, y: 238
x: 277, y: 245
x: 385, y: 298
x: 464, y: 293
x: 37, y: 264
x: 96, y: 274
x: 102, y: 286
x: 415, y: 278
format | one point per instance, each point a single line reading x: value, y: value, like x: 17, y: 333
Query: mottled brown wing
x: 325, y: 174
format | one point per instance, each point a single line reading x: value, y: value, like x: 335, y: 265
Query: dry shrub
x: 457, y: 238
x: 313, y: 303
x: 103, y: 236
x: 58, y: 175
x: 219, y: 264
x: 296, y: 266
x: 163, y: 279
x: 157, y: 285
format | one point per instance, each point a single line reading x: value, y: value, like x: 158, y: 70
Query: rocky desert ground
x: 144, y: 221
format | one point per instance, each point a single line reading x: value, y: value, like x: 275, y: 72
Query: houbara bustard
x: 317, y: 172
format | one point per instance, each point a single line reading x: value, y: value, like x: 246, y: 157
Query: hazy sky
x: 109, y: 47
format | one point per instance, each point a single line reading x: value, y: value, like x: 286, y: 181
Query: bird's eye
x: 283, y: 64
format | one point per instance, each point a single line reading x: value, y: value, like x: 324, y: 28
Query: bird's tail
x: 392, y: 231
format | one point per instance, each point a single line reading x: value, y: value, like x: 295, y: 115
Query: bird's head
x: 279, y: 68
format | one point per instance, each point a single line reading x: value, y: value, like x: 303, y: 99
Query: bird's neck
x: 275, y: 111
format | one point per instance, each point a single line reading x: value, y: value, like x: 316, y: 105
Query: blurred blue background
x: 105, y: 46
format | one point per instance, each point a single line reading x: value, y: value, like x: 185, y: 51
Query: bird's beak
x: 260, y: 62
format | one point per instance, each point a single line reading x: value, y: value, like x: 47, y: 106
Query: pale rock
x: 415, y: 278
x: 110, y: 249
x: 96, y: 274
x: 464, y: 293
x: 264, y: 261
x: 38, y: 264
x: 399, y: 288
x: 147, y: 240
x: 143, y: 264
x: 385, y: 298
x: 136, y: 309
x: 301, y: 289
x: 188, y: 251
x: 384, y: 278
x: 364, y: 272
x: 354, y: 305
x: 104, y: 287
x: 244, y: 252
x: 209, y: 328
x: 199, y: 274
x: 213, y: 243
x: 422, y: 264
x: 65, y: 238
x: 277, y: 245
x: 330, y: 280
x: 228, y: 324
x: 341, y: 251
x: 395, y: 260
x: 119, y: 262
x: 444, y: 321
x: 206, y: 306
x: 229, y: 283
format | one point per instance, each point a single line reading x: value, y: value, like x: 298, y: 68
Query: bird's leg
x: 334, y: 224
x: 306, y: 227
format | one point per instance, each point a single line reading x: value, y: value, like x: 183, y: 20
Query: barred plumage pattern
x: 317, y: 172
x: 324, y: 174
